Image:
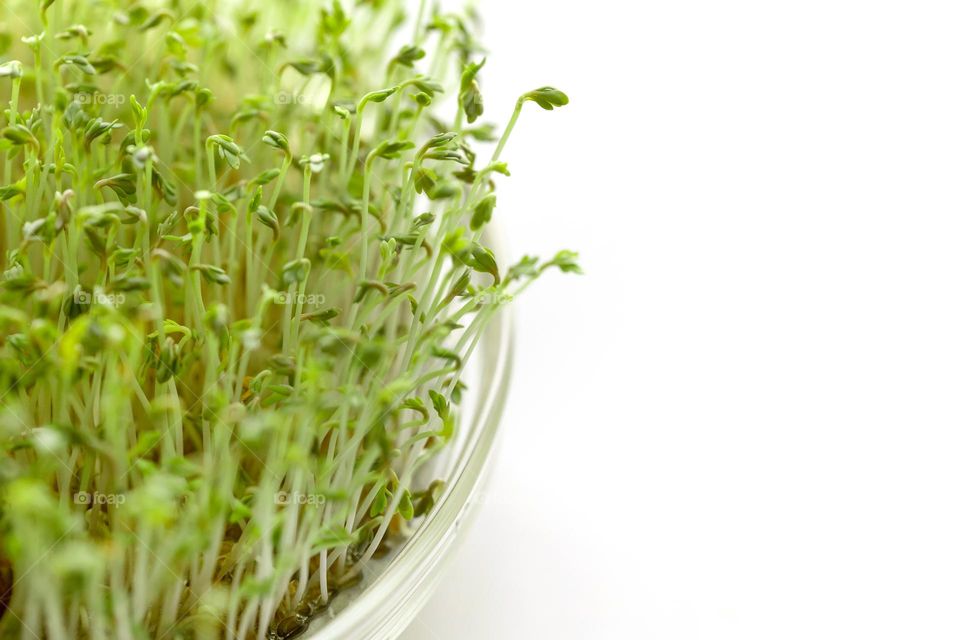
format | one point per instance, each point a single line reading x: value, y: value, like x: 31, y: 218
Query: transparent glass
x: 395, y: 590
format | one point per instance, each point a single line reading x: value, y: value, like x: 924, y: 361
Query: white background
x: 743, y: 421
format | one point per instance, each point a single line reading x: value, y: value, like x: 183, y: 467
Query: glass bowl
x: 396, y: 587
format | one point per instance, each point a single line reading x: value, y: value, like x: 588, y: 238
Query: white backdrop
x: 744, y: 421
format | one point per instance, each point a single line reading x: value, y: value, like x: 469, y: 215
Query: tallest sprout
x: 389, y: 150
x: 375, y: 97
x: 547, y: 97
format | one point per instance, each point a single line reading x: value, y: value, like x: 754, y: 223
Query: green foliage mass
x: 243, y: 269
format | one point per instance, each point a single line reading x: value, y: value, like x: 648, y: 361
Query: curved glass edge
x: 382, y: 609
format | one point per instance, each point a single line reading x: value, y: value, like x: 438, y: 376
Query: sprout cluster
x: 243, y: 268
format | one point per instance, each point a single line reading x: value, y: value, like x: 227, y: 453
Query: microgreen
x: 234, y: 316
